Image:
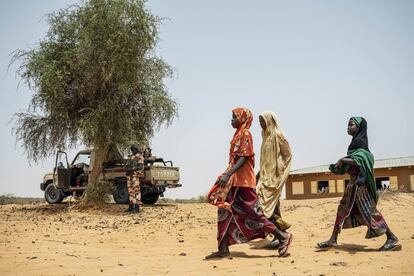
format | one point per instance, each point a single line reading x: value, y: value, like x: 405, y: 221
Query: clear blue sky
x: 315, y: 63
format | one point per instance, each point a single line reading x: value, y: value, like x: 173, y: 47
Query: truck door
x: 62, y: 173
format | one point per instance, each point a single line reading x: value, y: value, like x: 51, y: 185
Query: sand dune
x: 172, y: 239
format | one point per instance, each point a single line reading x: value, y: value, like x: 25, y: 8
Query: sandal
x: 391, y: 246
x: 283, y: 250
x: 325, y: 244
x: 274, y: 244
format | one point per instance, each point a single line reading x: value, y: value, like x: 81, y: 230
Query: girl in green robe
x: 358, y: 204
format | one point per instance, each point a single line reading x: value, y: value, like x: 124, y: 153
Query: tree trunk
x: 97, y: 190
x: 99, y: 158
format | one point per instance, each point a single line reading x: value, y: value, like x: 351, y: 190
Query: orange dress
x: 243, y: 177
x: 241, y: 145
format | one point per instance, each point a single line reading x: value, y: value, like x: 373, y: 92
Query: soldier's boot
x: 135, y: 208
x: 130, y: 207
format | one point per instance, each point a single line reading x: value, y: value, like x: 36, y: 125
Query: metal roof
x: 380, y: 163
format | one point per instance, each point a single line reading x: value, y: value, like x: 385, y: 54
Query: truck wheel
x: 121, y: 195
x: 53, y: 195
x: 150, y: 198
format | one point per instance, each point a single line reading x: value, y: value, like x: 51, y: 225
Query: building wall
x: 402, y: 177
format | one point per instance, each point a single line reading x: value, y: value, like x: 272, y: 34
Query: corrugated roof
x: 380, y: 163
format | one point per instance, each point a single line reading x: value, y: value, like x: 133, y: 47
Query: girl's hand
x: 223, y: 180
x: 339, y: 163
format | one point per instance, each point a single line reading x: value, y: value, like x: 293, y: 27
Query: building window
x: 297, y: 188
x: 332, y: 186
x: 314, y: 187
x: 323, y: 187
x: 382, y: 183
x: 340, y: 186
x: 394, y: 183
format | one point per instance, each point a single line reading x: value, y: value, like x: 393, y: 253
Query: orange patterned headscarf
x: 245, y: 117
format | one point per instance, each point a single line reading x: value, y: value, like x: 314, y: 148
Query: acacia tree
x: 96, y: 81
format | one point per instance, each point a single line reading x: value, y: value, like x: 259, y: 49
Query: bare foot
x: 217, y: 255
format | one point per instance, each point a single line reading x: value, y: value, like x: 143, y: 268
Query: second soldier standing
x: 135, y: 167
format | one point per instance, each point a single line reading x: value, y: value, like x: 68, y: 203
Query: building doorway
x: 382, y: 183
x: 323, y: 187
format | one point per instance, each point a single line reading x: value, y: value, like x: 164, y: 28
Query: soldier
x: 148, y: 158
x: 82, y: 178
x: 135, y: 167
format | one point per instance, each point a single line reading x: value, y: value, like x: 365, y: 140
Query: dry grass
x: 96, y: 196
x: 198, y: 199
x: 12, y: 199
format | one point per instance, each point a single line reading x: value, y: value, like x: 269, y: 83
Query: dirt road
x: 172, y: 239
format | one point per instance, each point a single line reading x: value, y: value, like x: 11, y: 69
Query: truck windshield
x: 82, y: 158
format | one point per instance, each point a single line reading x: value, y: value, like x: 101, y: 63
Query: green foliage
x: 96, y: 79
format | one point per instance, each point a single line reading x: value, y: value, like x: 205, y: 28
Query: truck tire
x: 53, y: 195
x: 150, y: 198
x: 121, y: 195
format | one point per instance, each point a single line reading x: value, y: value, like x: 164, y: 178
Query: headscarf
x: 360, y: 140
x: 275, y: 160
x: 245, y: 117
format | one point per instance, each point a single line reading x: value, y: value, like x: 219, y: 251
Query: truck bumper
x: 42, y: 186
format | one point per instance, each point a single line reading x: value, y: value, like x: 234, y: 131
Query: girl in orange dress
x: 240, y: 218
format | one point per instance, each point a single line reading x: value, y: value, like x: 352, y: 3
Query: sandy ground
x: 172, y: 239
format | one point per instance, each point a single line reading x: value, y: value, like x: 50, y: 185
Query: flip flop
x: 324, y: 245
x: 283, y: 251
x: 274, y: 244
x: 391, y: 247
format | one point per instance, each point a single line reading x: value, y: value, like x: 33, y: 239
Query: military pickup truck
x: 72, y: 179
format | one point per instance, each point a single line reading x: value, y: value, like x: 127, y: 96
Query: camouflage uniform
x: 134, y: 188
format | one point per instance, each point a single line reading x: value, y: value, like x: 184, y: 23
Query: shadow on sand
x: 237, y: 254
x: 351, y: 248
